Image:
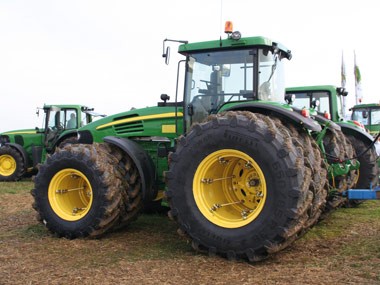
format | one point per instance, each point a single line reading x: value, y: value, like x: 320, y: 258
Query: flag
x: 358, y: 79
x: 343, y: 73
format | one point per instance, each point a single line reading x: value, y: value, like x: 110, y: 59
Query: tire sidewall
x: 272, y: 217
x: 19, y: 171
x: 43, y: 179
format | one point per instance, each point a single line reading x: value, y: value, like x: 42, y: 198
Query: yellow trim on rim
x: 229, y: 188
x: 8, y: 165
x: 140, y: 118
x: 70, y: 194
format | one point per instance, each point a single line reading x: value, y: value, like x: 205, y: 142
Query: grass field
x: 342, y: 249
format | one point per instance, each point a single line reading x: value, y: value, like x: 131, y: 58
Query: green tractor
x: 326, y: 102
x: 242, y: 172
x: 368, y: 115
x: 22, y: 150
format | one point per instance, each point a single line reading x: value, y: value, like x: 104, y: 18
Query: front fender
x: 143, y: 162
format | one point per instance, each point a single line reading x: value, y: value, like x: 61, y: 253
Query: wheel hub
x: 229, y: 188
x: 7, y: 165
x: 70, y: 194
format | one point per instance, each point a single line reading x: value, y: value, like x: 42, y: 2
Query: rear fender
x: 326, y: 122
x: 143, y: 162
x: 264, y: 108
x: 352, y: 130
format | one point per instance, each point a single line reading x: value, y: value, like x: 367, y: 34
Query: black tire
x: 78, y: 191
x: 313, y: 161
x: 259, y: 205
x: 12, y: 165
x: 338, y: 149
x: 67, y: 141
x: 131, y: 185
x: 368, y: 171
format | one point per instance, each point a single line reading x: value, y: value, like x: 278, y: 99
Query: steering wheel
x: 209, y: 83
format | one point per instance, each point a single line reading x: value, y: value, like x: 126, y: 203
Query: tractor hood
x: 145, y: 122
x: 20, y: 132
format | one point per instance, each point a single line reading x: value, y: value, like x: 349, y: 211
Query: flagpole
x: 356, y: 82
x: 343, y: 85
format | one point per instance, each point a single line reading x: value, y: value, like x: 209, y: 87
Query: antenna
x: 221, y: 18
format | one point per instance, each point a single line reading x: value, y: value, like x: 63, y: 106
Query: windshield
x: 306, y: 99
x: 366, y: 116
x: 216, y: 78
x: 62, y: 119
x: 361, y: 115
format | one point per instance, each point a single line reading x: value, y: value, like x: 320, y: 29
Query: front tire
x: 78, y: 191
x: 12, y: 166
x: 238, y: 187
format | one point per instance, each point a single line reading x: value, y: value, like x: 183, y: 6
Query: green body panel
x: 33, y: 143
x: 154, y: 128
x: 146, y: 122
x: 27, y: 139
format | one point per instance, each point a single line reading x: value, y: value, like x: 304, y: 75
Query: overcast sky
x: 107, y: 54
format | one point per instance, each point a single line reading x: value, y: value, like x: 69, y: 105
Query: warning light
x: 327, y: 115
x: 228, y: 27
x: 305, y: 112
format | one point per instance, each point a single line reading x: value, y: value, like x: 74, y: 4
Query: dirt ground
x: 139, y: 255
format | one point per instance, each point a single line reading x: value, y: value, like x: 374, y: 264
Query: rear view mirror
x: 166, y: 55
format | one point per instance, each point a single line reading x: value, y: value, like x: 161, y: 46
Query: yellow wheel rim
x: 8, y: 165
x: 70, y: 194
x: 229, y: 188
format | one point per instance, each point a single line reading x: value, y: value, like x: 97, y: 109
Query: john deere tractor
x: 325, y: 103
x: 241, y: 171
x: 22, y: 150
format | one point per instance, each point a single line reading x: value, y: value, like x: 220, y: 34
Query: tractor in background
x: 22, y: 150
x: 368, y: 115
x: 325, y: 103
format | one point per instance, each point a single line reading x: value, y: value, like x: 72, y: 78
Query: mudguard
x: 264, y: 108
x: 143, y: 163
x: 349, y: 129
x: 323, y: 121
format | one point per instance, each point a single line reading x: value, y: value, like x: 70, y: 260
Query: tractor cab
x: 232, y: 73
x: 324, y: 100
x: 61, y: 119
x: 225, y: 72
x: 368, y: 115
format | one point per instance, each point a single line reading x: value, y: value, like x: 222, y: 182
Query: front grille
x: 129, y: 127
x: 19, y: 140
